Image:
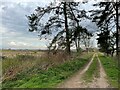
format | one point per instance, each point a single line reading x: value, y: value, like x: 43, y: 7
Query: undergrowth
x: 46, y: 78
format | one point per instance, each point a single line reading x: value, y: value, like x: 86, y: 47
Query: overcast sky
x: 14, y: 24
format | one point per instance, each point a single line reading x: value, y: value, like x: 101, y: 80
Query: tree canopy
x: 106, y: 19
x: 63, y: 17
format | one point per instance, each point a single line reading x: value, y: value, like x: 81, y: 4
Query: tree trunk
x: 112, y: 52
x: 117, y: 32
x: 79, y: 42
x: 67, y: 30
x: 76, y: 45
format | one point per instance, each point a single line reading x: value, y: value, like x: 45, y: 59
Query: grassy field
x: 111, y: 67
x: 13, y: 53
x: 92, y: 72
x: 32, y: 71
x: 23, y: 62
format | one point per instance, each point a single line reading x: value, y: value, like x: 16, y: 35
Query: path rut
x: 76, y: 80
x: 100, y: 82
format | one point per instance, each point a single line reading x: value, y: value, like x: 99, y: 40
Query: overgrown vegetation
x: 21, y: 63
x: 111, y: 67
x: 12, y: 66
x: 36, y: 77
x: 93, y: 71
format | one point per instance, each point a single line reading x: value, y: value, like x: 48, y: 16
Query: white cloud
x: 14, y: 24
x: 24, y: 43
x: 13, y: 43
x: 18, y: 45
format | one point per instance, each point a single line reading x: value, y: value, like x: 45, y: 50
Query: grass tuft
x: 93, y: 71
x: 111, y: 68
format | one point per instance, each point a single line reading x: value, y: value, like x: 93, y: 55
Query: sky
x: 14, y: 32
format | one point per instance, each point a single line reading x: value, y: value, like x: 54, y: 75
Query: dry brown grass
x: 20, y: 61
x: 13, y: 53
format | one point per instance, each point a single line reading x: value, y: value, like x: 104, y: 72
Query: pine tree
x: 62, y: 17
x: 108, y: 14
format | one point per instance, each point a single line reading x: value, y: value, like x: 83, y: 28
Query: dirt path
x: 100, y: 82
x: 76, y: 80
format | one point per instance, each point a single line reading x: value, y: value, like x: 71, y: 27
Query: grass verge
x: 111, y: 69
x: 93, y: 71
x: 49, y: 78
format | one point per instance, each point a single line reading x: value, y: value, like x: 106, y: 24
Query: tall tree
x: 76, y: 36
x: 80, y: 36
x: 86, y: 36
x: 61, y: 17
x: 108, y: 13
x: 104, y: 41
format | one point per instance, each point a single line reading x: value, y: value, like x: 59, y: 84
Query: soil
x: 76, y: 80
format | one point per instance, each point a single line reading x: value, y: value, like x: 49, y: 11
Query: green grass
x: 93, y: 71
x: 111, y: 68
x: 49, y: 78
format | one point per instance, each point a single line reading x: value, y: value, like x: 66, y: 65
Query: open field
x: 35, y: 69
x: 25, y: 66
x: 20, y: 61
x: 13, y: 53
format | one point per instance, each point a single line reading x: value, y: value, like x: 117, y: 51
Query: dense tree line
x: 107, y: 19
